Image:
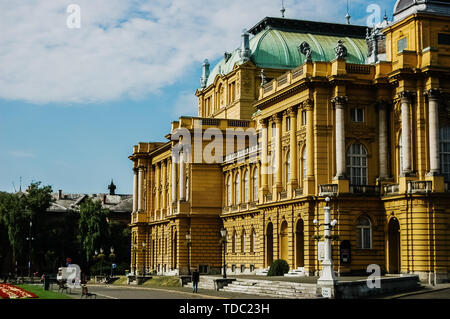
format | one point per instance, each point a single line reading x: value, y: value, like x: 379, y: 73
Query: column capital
x: 433, y: 94
x: 339, y: 102
x: 263, y: 123
x: 406, y: 96
x: 308, y: 104
x: 141, y: 168
x: 276, y: 118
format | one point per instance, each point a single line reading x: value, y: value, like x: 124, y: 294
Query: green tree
x: 15, y: 219
x: 93, y: 228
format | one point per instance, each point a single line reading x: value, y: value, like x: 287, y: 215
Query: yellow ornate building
x: 304, y: 110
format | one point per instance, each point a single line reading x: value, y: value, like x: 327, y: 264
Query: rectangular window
x: 303, y: 117
x: 274, y: 129
x: 357, y: 115
x: 288, y: 123
x: 402, y: 44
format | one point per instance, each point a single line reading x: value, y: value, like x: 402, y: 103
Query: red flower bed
x: 8, y: 291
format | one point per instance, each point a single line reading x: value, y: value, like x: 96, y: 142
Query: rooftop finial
x: 347, y: 16
x: 283, y: 9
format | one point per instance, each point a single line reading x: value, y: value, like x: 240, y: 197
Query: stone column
x: 382, y: 140
x: 292, y: 112
x: 405, y: 100
x: 433, y: 130
x: 278, y: 156
x: 163, y: 183
x: 181, y: 177
x: 140, y: 188
x: 309, y: 106
x: 340, y: 103
x: 135, y: 190
x: 174, y: 179
x: 158, y: 186
x: 264, y: 160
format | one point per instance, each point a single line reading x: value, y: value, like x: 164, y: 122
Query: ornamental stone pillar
x: 308, y: 180
x: 382, y: 140
x: 293, y: 183
x: 140, y: 188
x: 405, y: 100
x: 174, y: 179
x: 340, y: 103
x: 433, y: 130
x: 135, y: 190
x: 309, y: 106
x: 264, y: 160
x: 181, y: 178
x: 278, y: 157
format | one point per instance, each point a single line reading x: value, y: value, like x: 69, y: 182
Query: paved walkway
x: 140, y: 292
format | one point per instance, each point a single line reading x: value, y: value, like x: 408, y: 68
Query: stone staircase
x: 277, y: 289
x: 207, y: 282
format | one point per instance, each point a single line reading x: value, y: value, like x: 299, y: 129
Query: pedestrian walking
x: 195, y: 280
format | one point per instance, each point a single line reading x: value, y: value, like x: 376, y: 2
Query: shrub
x: 278, y: 268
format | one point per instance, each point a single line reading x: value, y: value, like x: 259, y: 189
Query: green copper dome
x: 272, y: 48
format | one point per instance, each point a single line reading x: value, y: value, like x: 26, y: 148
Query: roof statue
x: 305, y: 49
x: 341, y: 50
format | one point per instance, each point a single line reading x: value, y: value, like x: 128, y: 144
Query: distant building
x: 119, y: 205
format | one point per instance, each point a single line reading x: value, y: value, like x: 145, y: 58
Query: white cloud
x: 124, y: 48
x: 21, y: 153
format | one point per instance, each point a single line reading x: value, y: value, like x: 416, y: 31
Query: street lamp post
x: 111, y: 257
x: 188, y: 243
x: 30, y: 239
x: 327, y: 278
x: 223, y: 233
x: 144, y: 244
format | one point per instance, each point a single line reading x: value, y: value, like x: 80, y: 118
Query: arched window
x: 445, y: 152
x: 252, y: 241
x: 243, y: 241
x: 364, y: 233
x: 357, y: 164
x: 229, y: 190
x: 233, y: 241
x: 288, y: 166
x: 255, y: 184
x: 304, y: 163
x: 237, y: 186
x: 246, y: 187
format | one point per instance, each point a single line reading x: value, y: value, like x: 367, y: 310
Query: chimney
x: 60, y: 194
x: 205, y: 74
x: 245, y: 46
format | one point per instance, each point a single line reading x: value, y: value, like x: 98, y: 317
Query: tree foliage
x: 93, y: 228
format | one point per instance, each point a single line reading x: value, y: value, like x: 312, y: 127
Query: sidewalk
x: 187, y: 290
x: 426, y: 289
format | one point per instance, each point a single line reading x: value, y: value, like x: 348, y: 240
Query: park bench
x: 62, y: 286
x: 85, y: 292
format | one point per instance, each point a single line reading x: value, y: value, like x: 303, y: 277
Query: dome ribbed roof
x: 275, y: 48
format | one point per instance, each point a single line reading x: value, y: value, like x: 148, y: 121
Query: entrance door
x: 299, y: 244
x: 394, y: 246
x: 269, y: 241
x: 284, y: 241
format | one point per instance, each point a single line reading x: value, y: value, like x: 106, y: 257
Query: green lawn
x: 43, y: 294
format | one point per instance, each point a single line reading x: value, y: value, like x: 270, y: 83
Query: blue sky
x: 73, y: 102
